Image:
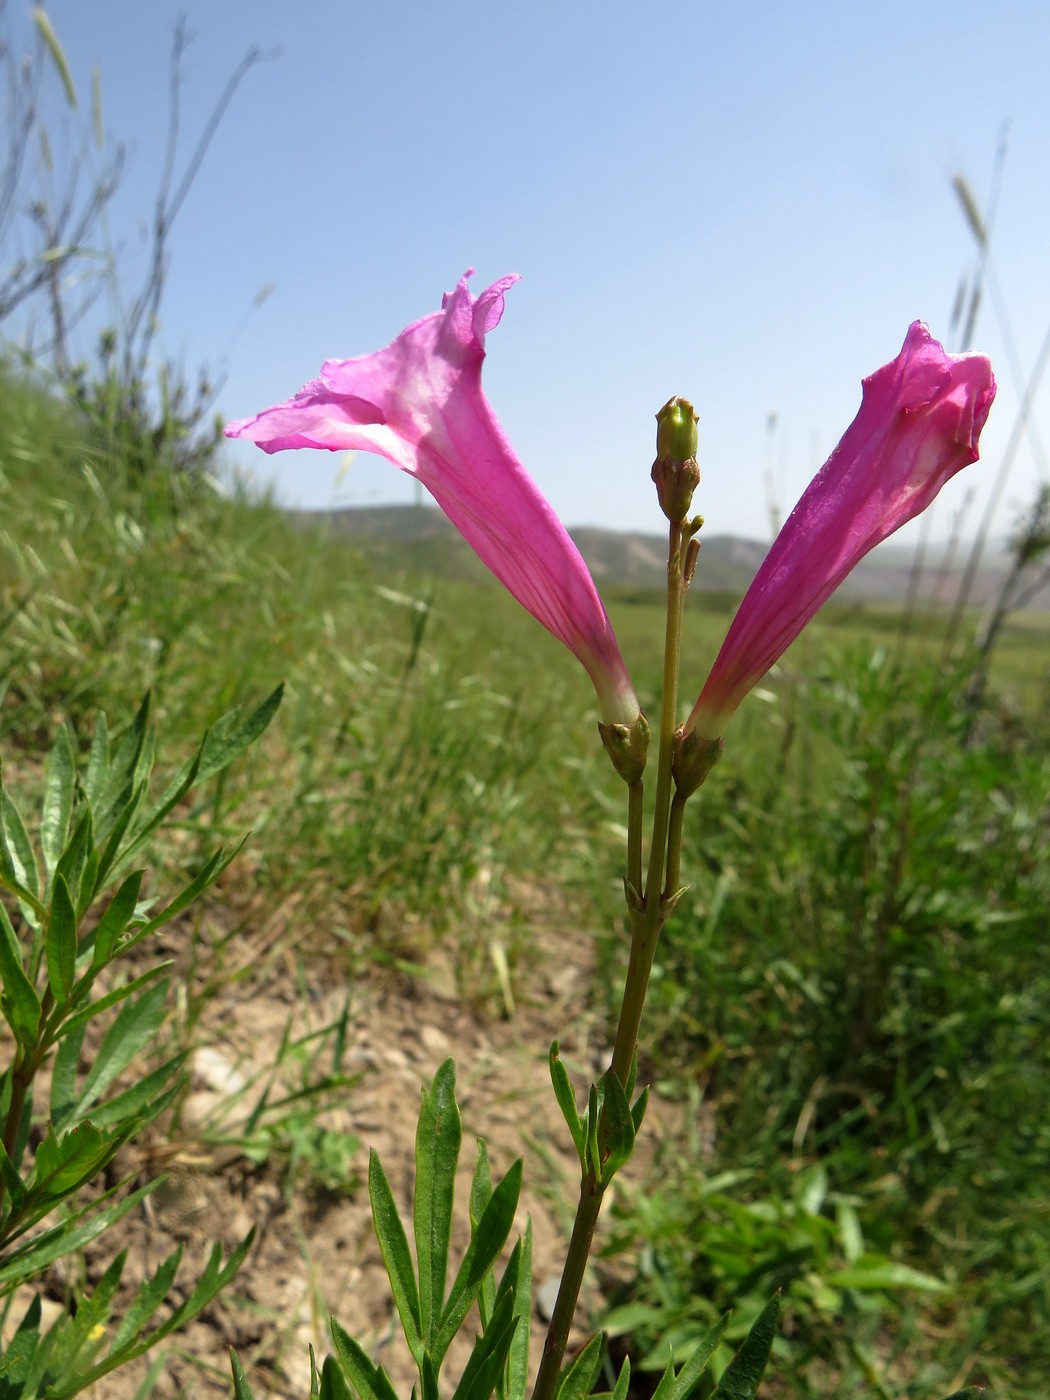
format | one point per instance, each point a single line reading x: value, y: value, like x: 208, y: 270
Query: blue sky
x: 746, y: 204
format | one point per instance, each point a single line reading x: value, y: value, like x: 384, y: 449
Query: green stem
x: 645, y: 932
x: 591, y: 1193
x: 635, y: 816
x: 645, y: 928
x: 674, y: 847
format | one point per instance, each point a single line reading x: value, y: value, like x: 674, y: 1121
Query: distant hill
x: 420, y: 536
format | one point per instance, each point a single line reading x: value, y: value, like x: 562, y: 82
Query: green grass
x: 853, y: 992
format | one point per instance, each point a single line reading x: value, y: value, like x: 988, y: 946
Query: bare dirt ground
x: 314, y: 1252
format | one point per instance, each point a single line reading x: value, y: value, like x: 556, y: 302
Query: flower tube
x: 919, y: 423
x: 420, y: 404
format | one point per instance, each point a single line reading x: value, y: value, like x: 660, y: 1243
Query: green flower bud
x: 675, y: 472
x: 676, y: 434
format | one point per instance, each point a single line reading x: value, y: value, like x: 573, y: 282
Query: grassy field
x: 852, y: 1005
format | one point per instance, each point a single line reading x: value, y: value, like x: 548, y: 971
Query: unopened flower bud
x: 676, y: 434
x: 675, y: 472
x: 627, y: 745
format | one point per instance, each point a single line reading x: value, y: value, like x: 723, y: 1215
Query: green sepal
x: 742, y: 1377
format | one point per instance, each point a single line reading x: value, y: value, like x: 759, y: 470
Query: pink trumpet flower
x: 919, y: 423
x: 420, y: 404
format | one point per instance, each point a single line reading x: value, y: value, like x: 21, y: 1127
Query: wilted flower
x: 919, y: 423
x: 420, y: 404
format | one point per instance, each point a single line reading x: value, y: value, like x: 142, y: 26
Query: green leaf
x: 152, y: 1292
x: 615, y: 1135
x: 66, y: 1161
x: 143, y: 1100
x: 682, y: 1385
x: 881, y: 1274
x: 19, y: 848
x: 485, y: 1363
x: 74, y: 858
x: 563, y: 1092
x: 18, y: 1355
x: 576, y: 1380
x: 13, y: 1183
x: 134, y: 1027
x: 59, y: 779
x: 428, y: 1380
x: 18, y: 1000
x: 116, y: 919
x: 212, y: 1281
x: 130, y: 802
x: 241, y: 1389
x: 64, y: 1076
x: 480, y: 1195
x: 742, y: 1377
x: 638, y: 1108
x: 486, y: 1242
x: 972, y: 1392
x: 393, y: 1245
x: 60, y: 945
x: 206, y: 876
x: 230, y: 736
x: 333, y: 1386
x: 98, y: 761
x: 518, y: 1278
x: 93, y: 1009
x: 68, y: 1237
x: 623, y: 1381
x: 371, y: 1382
x: 439, y: 1134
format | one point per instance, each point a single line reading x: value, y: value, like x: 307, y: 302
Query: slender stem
x: 635, y: 816
x: 645, y: 932
x: 591, y: 1193
x: 674, y: 846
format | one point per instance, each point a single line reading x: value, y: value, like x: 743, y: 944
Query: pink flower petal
x: 420, y: 404
x: 919, y: 423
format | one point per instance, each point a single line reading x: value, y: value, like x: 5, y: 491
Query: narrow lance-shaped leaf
x: 59, y: 780
x: 371, y: 1382
x: 682, y: 1385
x: 742, y: 1377
x: 17, y: 846
x: 60, y: 947
x: 393, y: 1245
x: 439, y: 1134
x: 19, y: 1000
